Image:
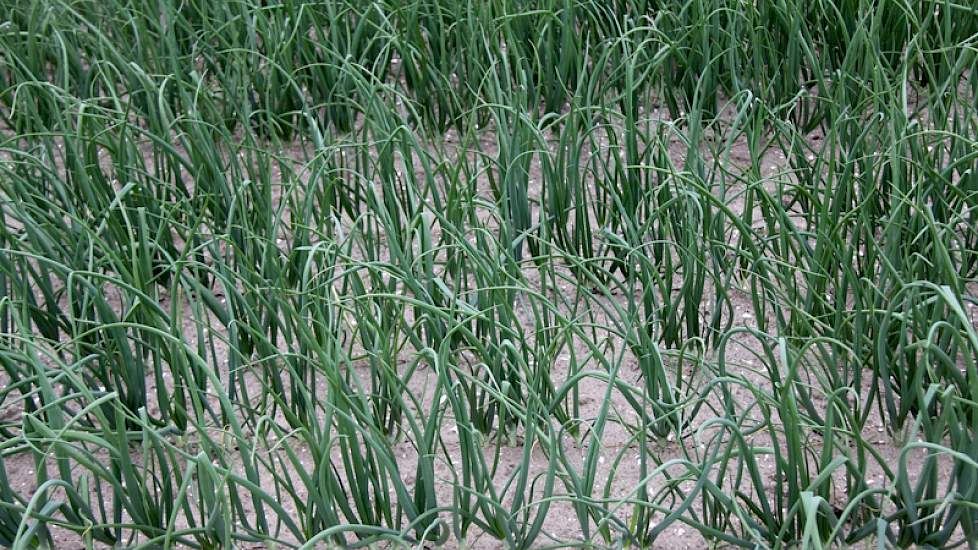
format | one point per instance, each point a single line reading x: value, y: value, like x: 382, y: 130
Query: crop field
x: 678, y: 274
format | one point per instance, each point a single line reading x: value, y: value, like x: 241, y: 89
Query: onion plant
x: 526, y: 274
